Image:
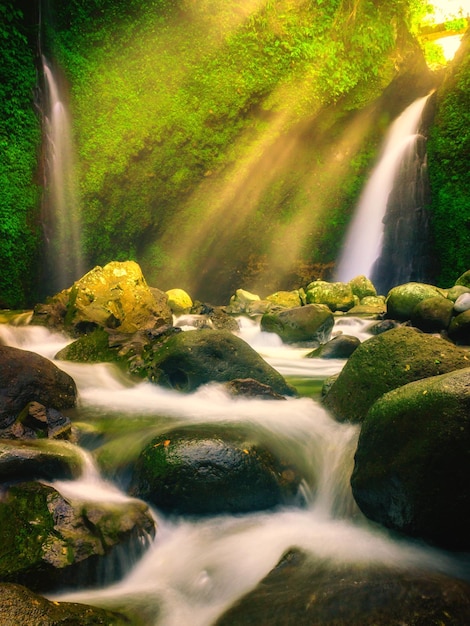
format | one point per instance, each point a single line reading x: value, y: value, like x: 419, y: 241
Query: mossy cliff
x: 219, y: 144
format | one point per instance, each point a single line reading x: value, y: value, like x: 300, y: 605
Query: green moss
x: 91, y: 348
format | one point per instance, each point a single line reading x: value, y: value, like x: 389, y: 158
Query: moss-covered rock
x: 302, y: 590
x: 49, y: 541
x: 179, y: 301
x: 193, y: 358
x: 21, y: 606
x: 388, y: 361
x: 115, y: 296
x: 91, y: 348
x: 464, y: 279
x: 362, y: 287
x: 432, y: 314
x: 413, y: 460
x: 336, y: 296
x: 459, y: 328
x: 402, y: 300
x: 286, y: 299
x: 211, y: 470
x: 311, y: 323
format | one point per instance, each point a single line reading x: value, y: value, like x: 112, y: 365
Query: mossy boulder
x: 432, y: 314
x: 456, y: 291
x: 340, y: 347
x: 286, y: 299
x: 302, y: 590
x: 459, y: 328
x: 179, y: 301
x: 336, y: 296
x: 388, y: 361
x: 311, y: 323
x: 413, y: 460
x: 49, y: 541
x: 28, y: 377
x: 40, y: 459
x: 115, y: 296
x: 22, y: 607
x: 402, y: 300
x: 362, y: 287
x: 193, y: 358
x: 241, y: 301
x: 91, y: 348
x: 211, y: 470
x: 464, y: 279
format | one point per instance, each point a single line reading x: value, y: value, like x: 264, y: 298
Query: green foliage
x: 19, y: 142
x: 448, y: 150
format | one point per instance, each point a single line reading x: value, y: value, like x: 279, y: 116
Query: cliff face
x: 448, y: 154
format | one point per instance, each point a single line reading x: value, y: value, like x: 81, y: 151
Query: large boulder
x: 311, y: 323
x: 210, y: 470
x: 301, y: 590
x: 413, y: 460
x: 115, y: 296
x: 49, y: 541
x: 28, y: 377
x: 286, y: 299
x: 179, y: 301
x: 432, y: 314
x: 22, y: 607
x: 337, y: 296
x: 464, y: 279
x: 193, y: 358
x: 459, y: 328
x: 362, y: 287
x: 388, y: 361
x: 402, y: 300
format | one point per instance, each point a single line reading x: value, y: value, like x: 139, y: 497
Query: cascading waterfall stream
x: 60, y: 206
x: 196, y: 568
x: 364, y: 240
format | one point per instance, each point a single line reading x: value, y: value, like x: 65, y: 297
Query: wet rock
x: 27, y: 377
x: 402, y: 300
x: 459, y: 328
x: 464, y: 279
x: 241, y: 301
x: 51, y: 542
x: 193, y: 358
x: 381, y: 327
x: 301, y: 591
x: 40, y: 459
x: 413, y: 460
x: 340, y: 347
x: 362, y: 287
x: 251, y: 388
x: 20, y: 606
x: 207, y: 471
x: 93, y: 347
x: 311, y: 323
x: 388, y: 361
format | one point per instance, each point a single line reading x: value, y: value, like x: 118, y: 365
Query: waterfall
x: 364, y: 241
x: 61, y: 221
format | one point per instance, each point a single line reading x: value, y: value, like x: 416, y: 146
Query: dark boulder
x: 413, y: 460
x: 28, y: 377
x: 432, y: 314
x: 311, y: 323
x: 340, y: 347
x: 207, y: 471
x: 459, y: 328
x: 193, y: 358
x: 301, y: 591
x: 38, y: 459
x: 386, y: 362
x: 50, y: 542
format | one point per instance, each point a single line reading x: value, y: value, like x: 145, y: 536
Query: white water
x: 61, y: 219
x: 194, y: 570
x: 363, y: 242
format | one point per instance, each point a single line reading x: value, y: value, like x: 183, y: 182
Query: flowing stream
x: 363, y: 244
x: 195, y: 568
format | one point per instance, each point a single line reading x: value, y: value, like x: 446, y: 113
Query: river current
x: 196, y: 568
